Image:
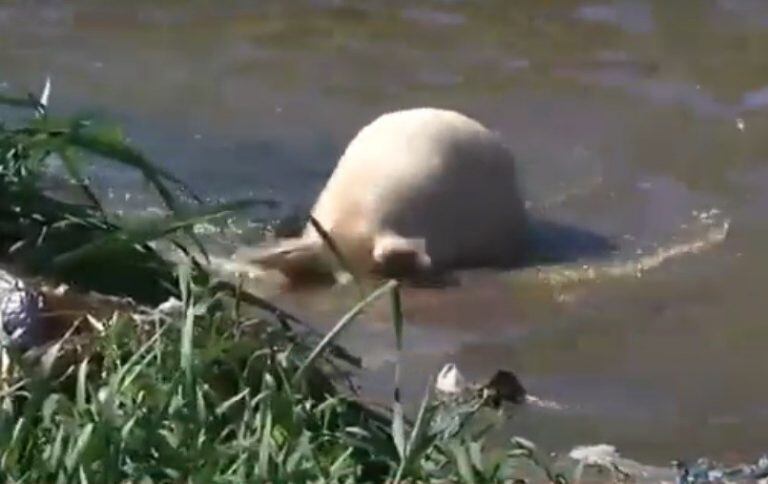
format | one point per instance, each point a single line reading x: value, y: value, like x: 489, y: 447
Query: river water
x: 637, y: 123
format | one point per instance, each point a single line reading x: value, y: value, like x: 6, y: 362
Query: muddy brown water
x: 638, y: 122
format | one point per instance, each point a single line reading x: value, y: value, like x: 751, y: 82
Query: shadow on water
x: 547, y: 243
x: 552, y: 243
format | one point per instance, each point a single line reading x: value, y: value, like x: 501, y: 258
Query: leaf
x: 49, y: 408
x: 187, y: 334
x: 148, y: 231
x: 57, y: 450
x: 340, y: 326
x: 416, y: 443
x: 476, y: 455
x: 73, y: 457
x: 335, y: 250
x: 227, y: 404
x: 49, y: 357
x: 300, y: 453
x: 80, y: 391
x: 463, y: 465
x: 119, y: 380
x: 74, y: 171
x: 338, y: 466
x: 266, y: 445
x: 398, y: 430
x: 115, y: 149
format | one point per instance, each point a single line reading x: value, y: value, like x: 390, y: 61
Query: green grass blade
x: 81, y: 389
x: 266, y: 444
x: 74, y: 171
x: 398, y: 419
x: 187, y: 335
x: 415, y: 445
x: 230, y: 402
x: 463, y: 465
x: 338, y: 466
x: 340, y: 326
x: 111, y: 148
x: 148, y: 231
x: 72, y: 458
x: 336, y: 251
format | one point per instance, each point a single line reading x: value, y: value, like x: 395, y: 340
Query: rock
x: 21, y: 309
x: 504, y: 386
x: 507, y: 387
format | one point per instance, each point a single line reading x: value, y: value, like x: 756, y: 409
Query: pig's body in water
x: 416, y: 192
x: 421, y: 193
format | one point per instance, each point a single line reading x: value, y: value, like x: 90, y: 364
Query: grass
x: 204, y: 394
x: 73, y: 240
x: 221, y: 386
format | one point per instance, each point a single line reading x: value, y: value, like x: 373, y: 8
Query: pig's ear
x: 396, y: 256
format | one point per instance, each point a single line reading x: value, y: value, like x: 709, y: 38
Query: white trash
x: 450, y: 380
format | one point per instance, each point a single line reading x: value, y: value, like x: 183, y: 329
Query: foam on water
x: 700, y: 235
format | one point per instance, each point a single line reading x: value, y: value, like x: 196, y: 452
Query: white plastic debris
x: 600, y: 454
x: 171, y: 306
x: 450, y: 380
x: 46, y: 94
